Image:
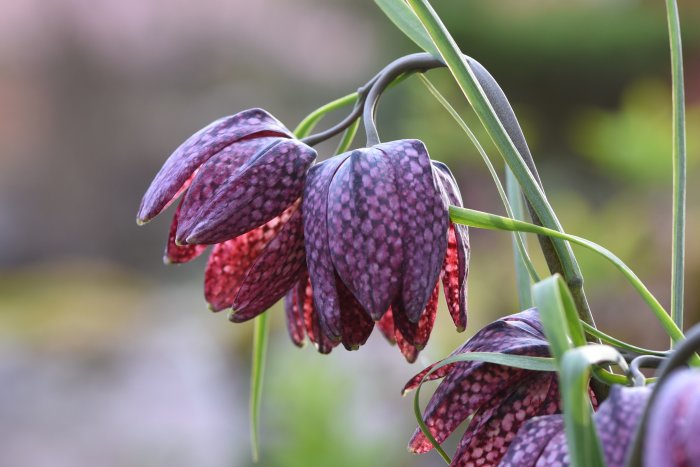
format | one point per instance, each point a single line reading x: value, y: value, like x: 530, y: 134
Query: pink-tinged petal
x: 455, y: 268
x: 295, y: 317
x: 356, y: 325
x: 416, y: 334
x: 259, y: 191
x: 200, y: 147
x: 365, y: 229
x: 528, y: 446
x: 312, y: 322
x: 453, y: 283
x: 174, y: 253
x: 229, y: 263
x: 408, y: 350
x: 555, y: 452
x: 386, y: 326
x: 424, y: 220
x: 274, y: 271
x: 213, y: 174
x: 496, y: 424
x: 670, y: 439
x: 318, y: 256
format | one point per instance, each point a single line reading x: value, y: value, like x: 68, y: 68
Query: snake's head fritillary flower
x: 241, y: 180
x: 378, y: 238
x: 542, y: 440
x: 499, y: 398
x: 674, y: 422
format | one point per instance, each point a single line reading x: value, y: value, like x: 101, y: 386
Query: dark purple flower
x: 378, y: 238
x: 241, y: 179
x: 499, y: 398
x: 674, y: 422
x: 542, y: 440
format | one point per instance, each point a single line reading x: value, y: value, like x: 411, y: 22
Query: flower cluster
x: 360, y: 238
x: 500, y: 399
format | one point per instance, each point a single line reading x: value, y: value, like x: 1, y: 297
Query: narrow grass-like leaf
x: 307, y: 125
x: 679, y: 163
x: 518, y: 241
x: 549, y: 302
x: 348, y: 137
x: 516, y: 361
x: 493, y: 222
x: 401, y: 14
x: 260, y: 335
x: 585, y: 449
x: 595, y: 332
x: 494, y: 111
x: 520, y: 256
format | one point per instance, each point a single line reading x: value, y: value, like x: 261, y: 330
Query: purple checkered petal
x: 424, y: 218
x: 466, y: 388
x: 312, y: 322
x: 260, y: 190
x: 200, y: 147
x: 365, y: 229
x: 416, y: 334
x: 214, y: 173
x: 531, y: 441
x: 318, y: 256
x: 295, y: 317
x: 496, y: 423
x: 174, y: 253
x: 356, y: 325
x: 455, y: 269
x: 672, y: 430
x: 274, y: 272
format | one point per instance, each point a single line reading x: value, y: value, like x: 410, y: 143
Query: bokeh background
x: 109, y: 358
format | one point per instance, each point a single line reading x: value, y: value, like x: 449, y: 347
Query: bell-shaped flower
x: 378, y: 238
x: 542, y: 440
x: 498, y: 398
x: 674, y: 422
x: 241, y: 179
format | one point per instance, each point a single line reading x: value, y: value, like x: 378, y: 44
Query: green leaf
x: 493, y: 222
x: 520, y: 256
x: 256, y: 379
x: 402, y: 15
x: 517, y: 361
x: 582, y: 439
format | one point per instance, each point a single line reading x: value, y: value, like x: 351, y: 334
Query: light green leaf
x: 402, y: 15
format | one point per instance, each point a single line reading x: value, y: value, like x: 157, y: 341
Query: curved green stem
x: 307, y: 125
x: 493, y: 222
x: 256, y: 382
x: 618, y: 343
x: 679, y: 163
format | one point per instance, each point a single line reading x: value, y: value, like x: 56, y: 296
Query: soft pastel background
x: 109, y: 358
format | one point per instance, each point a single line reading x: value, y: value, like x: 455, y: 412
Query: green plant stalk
x: 517, y: 240
x: 307, y: 125
x: 585, y: 449
x: 517, y: 361
x: 260, y: 336
x: 620, y: 344
x: 348, y: 137
x: 679, y: 164
x: 493, y: 222
x: 520, y: 258
x: 474, y: 93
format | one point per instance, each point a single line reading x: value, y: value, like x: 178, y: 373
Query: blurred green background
x: 109, y: 358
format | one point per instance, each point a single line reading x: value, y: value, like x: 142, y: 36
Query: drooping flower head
x: 241, y: 179
x: 499, y: 398
x: 542, y: 440
x: 378, y: 238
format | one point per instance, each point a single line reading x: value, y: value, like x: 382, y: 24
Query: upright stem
x: 679, y: 164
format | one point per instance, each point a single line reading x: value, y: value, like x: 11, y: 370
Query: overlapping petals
x: 542, y: 440
x: 500, y: 398
x: 241, y: 180
x: 378, y: 238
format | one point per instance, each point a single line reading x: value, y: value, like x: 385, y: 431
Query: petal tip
x: 141, y: 221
